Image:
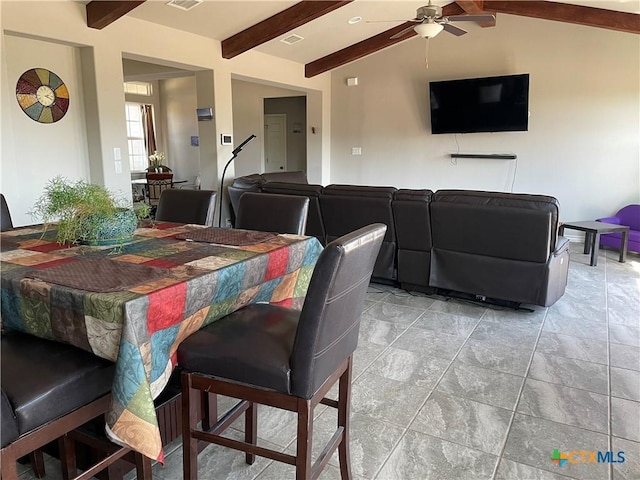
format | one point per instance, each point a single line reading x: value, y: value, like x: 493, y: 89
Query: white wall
x: 101, y: 78
x: 248, y: 119
x: 179, y: 117
x: 583, y: 140
x: 45, y: 149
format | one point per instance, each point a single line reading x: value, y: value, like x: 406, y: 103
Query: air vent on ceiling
x: 184, y: 4
x: 291, y: 39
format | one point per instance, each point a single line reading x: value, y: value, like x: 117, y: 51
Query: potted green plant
x: 87, y: 213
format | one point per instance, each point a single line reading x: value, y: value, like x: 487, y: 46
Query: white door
x: 275, y: 142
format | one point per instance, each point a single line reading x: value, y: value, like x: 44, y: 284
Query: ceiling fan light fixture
x: 428, y: 30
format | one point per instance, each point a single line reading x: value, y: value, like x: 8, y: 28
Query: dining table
x: 134, y: 303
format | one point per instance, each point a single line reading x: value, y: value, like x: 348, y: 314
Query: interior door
x: 275, y: 142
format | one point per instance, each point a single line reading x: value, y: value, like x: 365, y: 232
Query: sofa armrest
x: 614, y: 220
x: 562, y: 244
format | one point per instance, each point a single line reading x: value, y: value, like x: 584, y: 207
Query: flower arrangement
x: 156, y: 159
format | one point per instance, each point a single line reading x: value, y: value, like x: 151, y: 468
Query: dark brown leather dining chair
x: 5, y: 215
x: 48, y: 390
x: 186, y: 206
x: 268, y: 212
x: 284, y: 358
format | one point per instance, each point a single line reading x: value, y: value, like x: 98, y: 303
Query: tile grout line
x: 609, y: 404
x: 430, y: 392
x: 519, y: 397
x: 405, y: 429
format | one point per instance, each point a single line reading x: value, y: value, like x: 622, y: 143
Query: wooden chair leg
x: 344, y: 402
x: 143, y: 467
x: 67, y: 457
x: 304, y: 440
x: 209, y: 403
x: 36, y: 458
x: 189, y: 423
x: 8, y: 466
x: 251, y: 430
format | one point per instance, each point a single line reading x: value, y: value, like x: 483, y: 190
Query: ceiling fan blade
x: 401, y: 33
x: 388, y: 21
x: 457, y: 31
x: 416, y: 20
x: 471, y: 18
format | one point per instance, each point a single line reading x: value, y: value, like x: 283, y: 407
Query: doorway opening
x: 285, y: 137
x: 275, y: 142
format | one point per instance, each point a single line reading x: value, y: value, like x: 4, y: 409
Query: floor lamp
x: 235, y: 153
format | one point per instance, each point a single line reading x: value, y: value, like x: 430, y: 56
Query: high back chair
x: 284, y: 358
x: 187, y: 206
x: 48, y: 390
x: 5, y: 216
x: 273, y: 213
x: 315, y: 222
x: 156, y: 184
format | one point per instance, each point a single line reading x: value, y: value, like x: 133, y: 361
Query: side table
x: 593, y: 230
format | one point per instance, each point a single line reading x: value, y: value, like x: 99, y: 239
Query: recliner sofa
x: 498, y: 245
x: 487, y: 245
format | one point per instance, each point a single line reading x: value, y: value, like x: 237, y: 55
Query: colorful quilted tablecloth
x: 140, y: 327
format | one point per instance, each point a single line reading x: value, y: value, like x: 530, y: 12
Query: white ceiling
x: 220, y: 19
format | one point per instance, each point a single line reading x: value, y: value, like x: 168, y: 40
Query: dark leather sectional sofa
x: 487, y: 245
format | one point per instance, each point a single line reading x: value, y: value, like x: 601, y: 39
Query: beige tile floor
x: 451, y: 390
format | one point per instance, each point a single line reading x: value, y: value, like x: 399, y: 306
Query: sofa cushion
x: 315, y: 222
x: 511, y: 226
x: 289, y: 177
x: 412, y: 219
x: 346, y: 208
x: 413, y: 230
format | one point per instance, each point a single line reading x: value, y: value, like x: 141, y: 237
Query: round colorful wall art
x: 42, y: 95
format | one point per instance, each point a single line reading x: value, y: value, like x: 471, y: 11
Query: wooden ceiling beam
x: 368, y: 46
x: 561, y: 12
x: 101, y: 13
x: 476, y: 7
x: 357, y: 50
x: 279, y: 24
x: 564, y: 12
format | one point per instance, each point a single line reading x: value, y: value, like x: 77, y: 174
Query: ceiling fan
x: 431, y: 22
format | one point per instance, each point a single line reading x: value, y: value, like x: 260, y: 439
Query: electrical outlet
x: 118, y: 166
x: 356, y: 150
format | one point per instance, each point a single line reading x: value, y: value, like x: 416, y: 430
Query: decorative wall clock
x: 42, y: 95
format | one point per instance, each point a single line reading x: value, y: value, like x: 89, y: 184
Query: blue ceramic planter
x: 114, y: 230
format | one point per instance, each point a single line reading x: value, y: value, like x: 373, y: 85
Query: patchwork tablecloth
x: 141, y: 326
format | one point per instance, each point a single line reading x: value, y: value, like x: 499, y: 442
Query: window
x: 138, y: 88
x: 138, y: 156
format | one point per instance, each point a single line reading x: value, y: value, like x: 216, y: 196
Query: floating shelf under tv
x: 492, y: 156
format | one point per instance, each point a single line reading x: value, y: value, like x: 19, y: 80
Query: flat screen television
x: 489, y: 104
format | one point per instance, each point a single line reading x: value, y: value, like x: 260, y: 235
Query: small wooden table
x: 593, y: 230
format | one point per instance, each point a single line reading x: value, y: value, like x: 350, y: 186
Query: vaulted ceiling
x: 329, y: 36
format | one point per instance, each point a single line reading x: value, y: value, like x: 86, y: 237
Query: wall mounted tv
x: 490, y: 104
